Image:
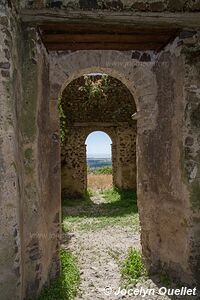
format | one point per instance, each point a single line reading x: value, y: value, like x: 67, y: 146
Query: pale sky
x: 98, y: 143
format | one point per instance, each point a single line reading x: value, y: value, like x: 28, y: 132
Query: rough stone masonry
x: 165, y: 85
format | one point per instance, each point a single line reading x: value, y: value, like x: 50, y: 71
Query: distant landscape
x: 99, y: 171
x: 94, y: 162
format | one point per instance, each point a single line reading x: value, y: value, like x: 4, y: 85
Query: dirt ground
x: 100, y: 182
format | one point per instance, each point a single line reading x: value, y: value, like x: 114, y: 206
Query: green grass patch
x: 119, y: 208
x: 102, y: 170
x: 121, y: 198
x: 133, y: 267
x: 165, y: 279
x: 66, y: 286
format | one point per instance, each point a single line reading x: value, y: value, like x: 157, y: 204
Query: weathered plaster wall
x: 10, y: 166
x: 41, y: 208
x: 110, y: 110
x: 170, y: 160
x: 191, y: 144
x: 29, y: 209
x: 162, y: 194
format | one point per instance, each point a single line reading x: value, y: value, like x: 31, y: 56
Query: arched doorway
x: 99, y: 160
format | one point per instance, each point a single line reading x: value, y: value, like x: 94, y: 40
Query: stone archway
x: 140, y: 79
x: 110, y: 111
x: 160, y: 187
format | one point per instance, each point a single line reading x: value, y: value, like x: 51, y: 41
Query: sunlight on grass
x: 133, y: 268
x: 119, y: 209
x: 66, y: 286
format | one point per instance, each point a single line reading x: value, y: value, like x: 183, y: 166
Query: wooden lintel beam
x: 103, y: 46
x: 100, y: 125
x: 77, y: 28
x: 111, y: 38
x: 145, y: 19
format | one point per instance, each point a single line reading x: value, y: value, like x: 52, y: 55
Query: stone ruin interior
x: 151, y: 50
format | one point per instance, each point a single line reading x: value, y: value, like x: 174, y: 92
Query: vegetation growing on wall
x: 95, y: 90
x: 62, y: 118
x: 99, y: 97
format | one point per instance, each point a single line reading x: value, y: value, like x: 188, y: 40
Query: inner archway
x: 99, y: 161
x: 97, y: 102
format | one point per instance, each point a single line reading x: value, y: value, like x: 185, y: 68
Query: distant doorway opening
x: 99, y: 161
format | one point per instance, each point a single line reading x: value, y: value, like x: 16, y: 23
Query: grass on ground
x: 119, y: 208
x: 102, y: 170
x: 66, y: 286
x: 132, y: 268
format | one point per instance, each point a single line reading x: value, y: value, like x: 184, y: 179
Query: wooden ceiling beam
x: 104, y: 46
x: 111, y: 38
x: 61, y: 28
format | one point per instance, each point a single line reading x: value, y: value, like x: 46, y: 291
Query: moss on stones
x: 195, y: 117
x: 195, y: 195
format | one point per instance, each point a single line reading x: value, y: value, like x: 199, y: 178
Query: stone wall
x: 170, y: 165
x: 10, y: 165
x: 29, y: 210
x: 41, y: 205
x: 165, y: 237
x: 191, y: 143
x: 110, y: 110
x: 117, y: 5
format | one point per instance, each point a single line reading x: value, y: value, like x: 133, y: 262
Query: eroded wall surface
x: 10, y: 166
x: 163, y: 195
x: 191, y: 144
x: 29, y: 204
x: 169, y: 181
x: 41, y: 205
x: 116, y: 5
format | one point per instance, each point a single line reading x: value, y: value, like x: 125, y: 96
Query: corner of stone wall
x: 191, y: 142
x: 11, y: 261
x: 166, y: 242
